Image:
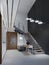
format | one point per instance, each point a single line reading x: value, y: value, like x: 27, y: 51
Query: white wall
x: 3, y: 32
x: 3, y: 39
x: 21, y: 41
x: 21, y: 22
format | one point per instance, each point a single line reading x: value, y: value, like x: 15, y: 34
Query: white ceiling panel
x: 25, y: 5
x: 21, y: 7
x: 9, y: 10
x: 15, y: 9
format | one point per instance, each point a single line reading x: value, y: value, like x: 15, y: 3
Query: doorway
x: 11, y: 40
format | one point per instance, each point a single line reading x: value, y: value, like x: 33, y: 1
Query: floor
x: 14, y: 57
x: 3, y: 49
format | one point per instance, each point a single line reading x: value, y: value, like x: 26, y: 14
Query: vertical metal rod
x: 11, y: 12
x: 16, y: 11
x: 7, y: 13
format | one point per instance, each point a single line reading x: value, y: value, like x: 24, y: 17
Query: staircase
x: 36, y: 47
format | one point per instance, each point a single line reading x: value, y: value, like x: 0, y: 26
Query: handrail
x: 32, y: 41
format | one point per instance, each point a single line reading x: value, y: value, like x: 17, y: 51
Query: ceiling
x: 40, y: 11
x: 10, y: 9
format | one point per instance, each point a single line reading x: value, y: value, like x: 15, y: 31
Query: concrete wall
x: 21, y: 40
x: 3, y: 32
x: 40, y: 11
x: 41, y: 35
x: 21, y: 22
x: 3, y: 39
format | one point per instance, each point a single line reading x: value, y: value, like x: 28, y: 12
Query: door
x: 11, y: 40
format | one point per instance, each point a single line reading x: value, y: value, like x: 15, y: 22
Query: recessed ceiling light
x: 36, y: 21
x: 31, y: 20
x: 28, y: 18
x: 40, y: 22
x: 21, y: 38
